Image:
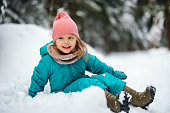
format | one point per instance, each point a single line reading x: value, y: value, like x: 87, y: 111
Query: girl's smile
x: 66, y: 43
x: 67, y: 47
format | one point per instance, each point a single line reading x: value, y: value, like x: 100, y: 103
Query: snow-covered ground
x: 19, y: 54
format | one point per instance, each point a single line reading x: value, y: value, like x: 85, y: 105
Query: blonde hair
x: 79, y: 50
x: 80, y: 45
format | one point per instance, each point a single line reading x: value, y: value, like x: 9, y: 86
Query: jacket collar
x: 60, y: 58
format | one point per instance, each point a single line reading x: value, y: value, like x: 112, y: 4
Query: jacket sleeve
x: 40, y: 77
x: 94, y: 65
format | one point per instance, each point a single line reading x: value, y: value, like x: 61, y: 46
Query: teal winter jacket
x: 72, y: 78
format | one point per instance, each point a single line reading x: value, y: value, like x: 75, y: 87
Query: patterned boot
x: 141, y: 99
x: 118, y: 103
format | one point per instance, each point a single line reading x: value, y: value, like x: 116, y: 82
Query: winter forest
x: 130, y: 35
x: 111, y: 25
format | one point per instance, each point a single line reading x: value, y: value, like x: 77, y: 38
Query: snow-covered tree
x: 3, y: 6
x: 26, y: 11
x: 158, y: 20
x: 111, y: 25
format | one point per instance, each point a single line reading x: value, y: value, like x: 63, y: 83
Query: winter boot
x: 141, y: 99
x: 118, y: 103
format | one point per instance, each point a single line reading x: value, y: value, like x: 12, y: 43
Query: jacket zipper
x: 71, y: 73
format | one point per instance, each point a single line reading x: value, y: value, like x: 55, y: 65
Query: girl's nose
x: 66, y: 41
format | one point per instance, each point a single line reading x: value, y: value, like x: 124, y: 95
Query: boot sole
x: 124, y: 99
x: 152, y: 92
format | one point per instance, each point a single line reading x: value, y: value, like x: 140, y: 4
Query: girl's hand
x: 120, y: 75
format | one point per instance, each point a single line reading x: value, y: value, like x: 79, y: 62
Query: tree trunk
x: 167, y: 23
x: 107, y: 40
x: 51, y: 12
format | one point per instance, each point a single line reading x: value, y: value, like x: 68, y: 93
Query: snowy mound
x: 19, y: 54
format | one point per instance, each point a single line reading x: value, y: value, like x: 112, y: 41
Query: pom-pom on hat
x: 63, y: 24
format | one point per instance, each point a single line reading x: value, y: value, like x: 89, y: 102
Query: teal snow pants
x: 105, y: 81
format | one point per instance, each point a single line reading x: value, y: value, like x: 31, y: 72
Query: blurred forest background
x: 110, y: 25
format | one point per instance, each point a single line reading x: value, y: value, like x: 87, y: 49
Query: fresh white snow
x: 19, y: 54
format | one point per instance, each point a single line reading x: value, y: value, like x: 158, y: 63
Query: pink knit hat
x: 63, y: 24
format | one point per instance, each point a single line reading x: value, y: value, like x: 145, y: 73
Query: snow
x: 19, y: 54
x: 80, y: 13
x: 122, y: 96
x: 2, y: 10
x: 5, y: 3
x: 14, y: 16
x: 93, y: 5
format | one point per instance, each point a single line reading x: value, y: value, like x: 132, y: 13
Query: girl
x: 64, y: 62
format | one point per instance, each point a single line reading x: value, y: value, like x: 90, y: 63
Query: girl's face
x: 66, y: 43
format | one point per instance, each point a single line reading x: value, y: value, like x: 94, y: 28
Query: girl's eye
x: 70, y: 37
x: 60, y: 38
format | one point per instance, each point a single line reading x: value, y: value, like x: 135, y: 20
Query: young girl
x: 64, y: 62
